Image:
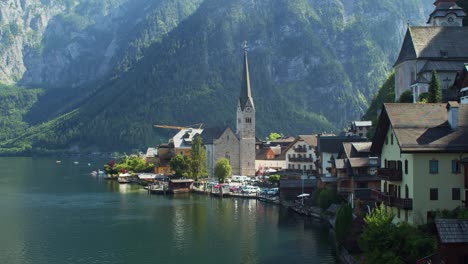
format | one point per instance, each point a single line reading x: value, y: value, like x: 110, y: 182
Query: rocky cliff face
x: 315, y: 65
x: 68, y: 43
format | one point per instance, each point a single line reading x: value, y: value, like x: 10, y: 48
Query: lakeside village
x: 398, y: 198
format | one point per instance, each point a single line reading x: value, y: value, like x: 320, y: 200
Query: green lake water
x: 58, y: 213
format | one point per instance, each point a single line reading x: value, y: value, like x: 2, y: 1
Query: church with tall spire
x: 246, y: 123
x: 238, y: 147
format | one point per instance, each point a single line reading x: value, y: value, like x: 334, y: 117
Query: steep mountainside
x: 66, y: 43
x: 314, y: 66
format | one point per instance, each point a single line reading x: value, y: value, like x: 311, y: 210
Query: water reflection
x: 58, y: 213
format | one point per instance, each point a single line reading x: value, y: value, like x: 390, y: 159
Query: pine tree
x: 434, y: 89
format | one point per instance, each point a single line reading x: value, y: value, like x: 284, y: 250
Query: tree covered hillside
x: 314, y: 65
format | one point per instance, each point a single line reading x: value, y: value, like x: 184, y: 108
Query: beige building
x: 423, y: 151
x: 301, y: 155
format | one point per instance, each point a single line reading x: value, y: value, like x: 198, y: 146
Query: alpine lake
x: 59, y: 213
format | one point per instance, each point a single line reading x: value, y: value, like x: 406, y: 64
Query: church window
x: 227, y: 137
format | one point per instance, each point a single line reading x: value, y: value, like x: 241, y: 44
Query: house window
x: 293, y: 166
x: 310, y: 156
x: 310, y: 166
x: 386, y: 140
x: 289, y: 166
x: 455, y: 166
x: 391, y: 139
x: 406, y: 166
x: 456, y: 194
x: 385, y: 164
x: 434, y: 194
x: 433, y: 166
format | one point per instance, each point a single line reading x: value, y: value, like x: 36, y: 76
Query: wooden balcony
x: 301, y: 172
x: 300, y: 150
x: 301, y: 160
x: 393, y: 201
x: 390, y: 174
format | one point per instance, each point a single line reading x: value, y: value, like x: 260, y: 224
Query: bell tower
x: 245, y: 128
x: 446, y: 14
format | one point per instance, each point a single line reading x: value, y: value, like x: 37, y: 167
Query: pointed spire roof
x: 245, y: 94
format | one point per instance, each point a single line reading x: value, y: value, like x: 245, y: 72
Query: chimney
x: 452, y: 111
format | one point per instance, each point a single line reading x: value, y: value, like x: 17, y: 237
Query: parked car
x: 273, y: 191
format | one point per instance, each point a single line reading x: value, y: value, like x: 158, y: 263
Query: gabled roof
x: 212, y: 133
x: 279, y: 152
x: 184, y: 137
x: 433, y: 42
x: 422, y: 128
x: 151, y: 152
x: 443, y: 66
x: 452, y: 230
x: 333, y: 144
x: 311, y: 140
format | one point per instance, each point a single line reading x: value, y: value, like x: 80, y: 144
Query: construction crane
x: 197, y: 126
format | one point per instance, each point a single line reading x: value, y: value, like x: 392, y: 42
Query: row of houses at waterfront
x: 417, y: 162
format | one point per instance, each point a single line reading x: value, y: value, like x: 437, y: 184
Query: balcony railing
x: 300, y: 150
x: 390, y: 174
x: 299, y: 171
x: 301, y: 160
x: 390, y: 200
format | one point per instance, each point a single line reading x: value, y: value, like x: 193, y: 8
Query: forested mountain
x: 111, y: 69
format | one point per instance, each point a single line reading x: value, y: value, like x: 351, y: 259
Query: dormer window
x: 444, y: 53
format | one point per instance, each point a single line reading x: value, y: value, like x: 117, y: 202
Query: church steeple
x: 446, y: 14
x: 245, y: 94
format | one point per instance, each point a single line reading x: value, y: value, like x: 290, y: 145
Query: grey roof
x: 443, y: 66
x: 452, y: 230
x: 428, y: 42
x: 183, y: 139
x: 424, y: 127
x: 443, y: 8
x: 333, y: 144
x: 212, y: 133
x: 245, y: 94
